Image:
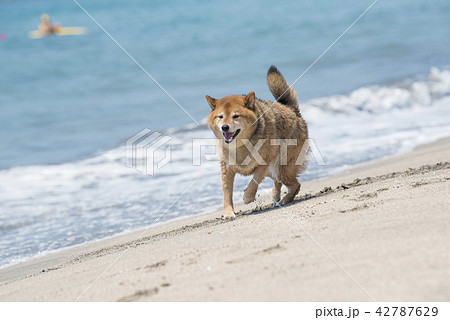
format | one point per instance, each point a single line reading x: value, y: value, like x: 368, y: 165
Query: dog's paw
x: 228, y: 218
x: 228, y: 215
x: 287, y: 199
x: 249, y: 197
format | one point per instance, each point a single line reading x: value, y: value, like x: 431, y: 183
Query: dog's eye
x: 235, y: 116
x: 220, y: 117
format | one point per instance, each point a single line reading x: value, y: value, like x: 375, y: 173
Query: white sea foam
x: 380, y: 99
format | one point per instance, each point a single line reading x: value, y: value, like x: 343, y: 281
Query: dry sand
x: 382, y: 238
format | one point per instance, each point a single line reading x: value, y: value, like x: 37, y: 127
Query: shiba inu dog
x: 262, y: 138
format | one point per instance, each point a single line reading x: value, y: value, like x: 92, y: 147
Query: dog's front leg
x: 227, y: 186
x: 258, y: 176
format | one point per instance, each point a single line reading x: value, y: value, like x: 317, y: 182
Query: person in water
x: 46, y: 27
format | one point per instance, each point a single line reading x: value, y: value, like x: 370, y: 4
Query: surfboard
x: 65, y: 31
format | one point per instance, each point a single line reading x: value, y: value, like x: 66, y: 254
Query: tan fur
x: 259, y: 121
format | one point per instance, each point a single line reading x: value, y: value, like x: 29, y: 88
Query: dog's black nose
x: 225, y: 128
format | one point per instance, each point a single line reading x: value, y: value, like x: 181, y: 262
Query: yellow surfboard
x: 65, y: 31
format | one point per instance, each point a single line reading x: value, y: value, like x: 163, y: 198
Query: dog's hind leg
x: 276, y: 191
x: 258, y: 176
x: 293, y: 188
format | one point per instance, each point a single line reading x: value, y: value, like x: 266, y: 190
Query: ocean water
x: 68, y: 104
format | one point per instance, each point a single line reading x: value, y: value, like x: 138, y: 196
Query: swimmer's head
x: 45, y: 17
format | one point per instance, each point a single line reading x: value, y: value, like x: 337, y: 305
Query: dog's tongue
x: 228, y: 135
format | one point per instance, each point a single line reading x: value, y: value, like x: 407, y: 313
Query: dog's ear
x: 211, y: 102
x: 250, y: 101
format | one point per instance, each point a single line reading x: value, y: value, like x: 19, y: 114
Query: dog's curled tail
x: 281, y: 89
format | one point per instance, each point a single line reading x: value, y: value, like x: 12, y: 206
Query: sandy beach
x: 379, y: 232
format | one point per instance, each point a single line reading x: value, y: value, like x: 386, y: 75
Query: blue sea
x: 68, y: 104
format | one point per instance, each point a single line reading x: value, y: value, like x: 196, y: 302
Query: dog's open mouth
x: 229, y: 136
